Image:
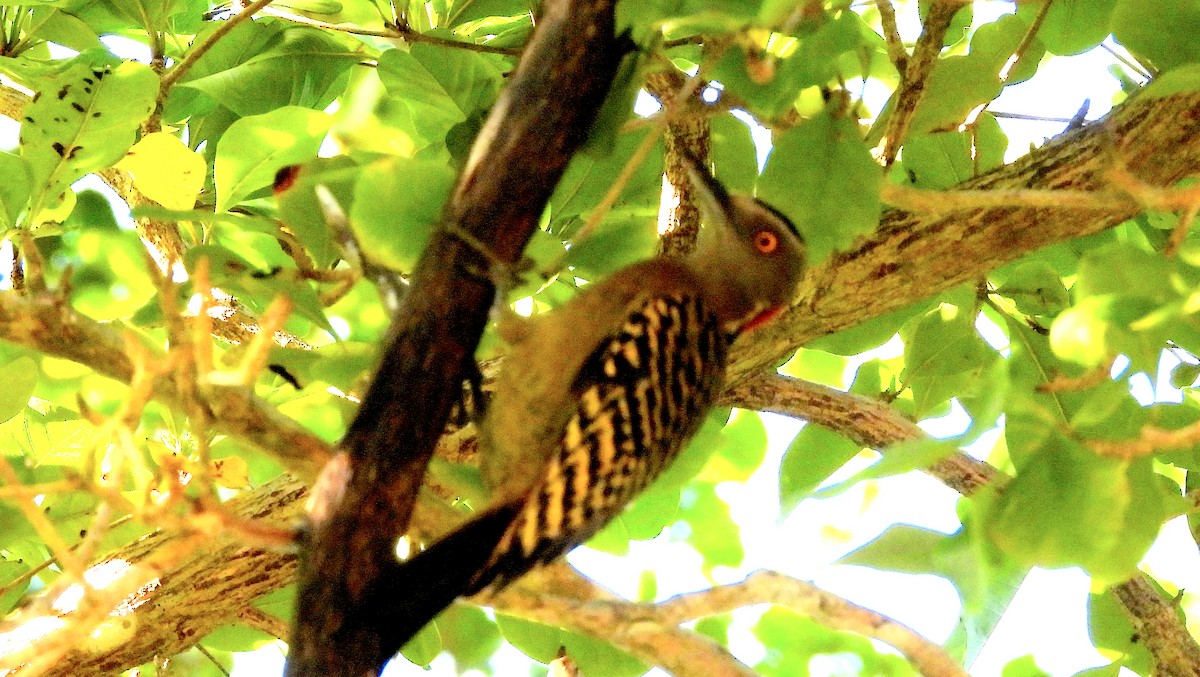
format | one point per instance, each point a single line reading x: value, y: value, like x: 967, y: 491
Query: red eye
x: 766, y: 242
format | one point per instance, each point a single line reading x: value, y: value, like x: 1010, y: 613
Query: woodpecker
x: 601, y: 394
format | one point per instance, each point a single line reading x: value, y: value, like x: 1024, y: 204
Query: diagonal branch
x: 873, y: 424
x: 366, y: 501
x: 914, y: 255
x: 915, y: 75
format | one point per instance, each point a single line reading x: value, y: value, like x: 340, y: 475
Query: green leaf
x: 441, y: 87
x: 302, y: 212
x: 741, y: 449
x: 278, y: 602
x: 1074, y: 26
x: 10, y: 571
x: 944, y: 159
x: 1068, y: 506
x: 598, y: 657
x: 71, y: 513
x: 148, y: 14
x: 1084, y: 333
x: 791, y: 641
x: 817, y: 366
x: 14, y: 190
x: 1036, y: 289
x: 870, y: 334
x: 900, y: 458
x: 944, y: 357
x: 397, y: 202
x: 471, y: 10
x: 715, y: 628
x: 424, y: 646
x: 589, y: 176
x: 1110, y: 630
x: 734, y: 155
x: 1024, y: 666
x: 469, y: 636
x: 813, y: 62
x: 958, y: 84
x: 113, y: 281
x: 84, y: 119
x: 821, y: 172
x: 986, y: 580
x: 624, y: 237
x: 56, y: 25
x: 1181, y: 80
x: 236, y: 638
x: 815, y: 454
x: 246, y: 40
x: 1158, y: 30
x: 1121, y: 269
x: 712, y: 531
x: 255, y: 148
x: 539, y: 642
x: 20, y: 378
x: 995, y: 43
x: 1184, y: 375
x: 902, y: 547
x: 299, y: 66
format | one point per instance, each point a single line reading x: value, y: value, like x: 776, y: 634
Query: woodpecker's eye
x: 766, y: 242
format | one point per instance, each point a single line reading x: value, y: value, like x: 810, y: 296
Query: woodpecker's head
x: 749, y: 256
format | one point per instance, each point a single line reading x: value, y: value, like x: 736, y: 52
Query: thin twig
x: 200, y: 48
x: 1033, y: 118
x: 1090, y: 379
x: 1018, y: 54
x: 1150, y: 441
x: 1126, y: 61
x: 891, y: 35
x: 395, y: 33
x: 916, y: 76
x: 831, y: 611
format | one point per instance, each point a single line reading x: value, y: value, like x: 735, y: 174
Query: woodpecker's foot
x: 504, y: 276
x: 472, y: 407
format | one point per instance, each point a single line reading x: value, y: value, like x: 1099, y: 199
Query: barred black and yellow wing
x: 640, y: 396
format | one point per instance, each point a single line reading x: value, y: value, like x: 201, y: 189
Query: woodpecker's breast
x: 641, y: 394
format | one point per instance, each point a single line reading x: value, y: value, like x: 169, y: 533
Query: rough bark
x: 914, y: 256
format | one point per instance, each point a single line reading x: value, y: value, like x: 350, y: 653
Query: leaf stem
x: 199, y: 49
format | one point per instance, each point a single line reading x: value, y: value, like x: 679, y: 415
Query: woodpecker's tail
x: 454, y: 566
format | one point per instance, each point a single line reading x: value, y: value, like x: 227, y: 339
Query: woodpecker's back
x: 603, y: 394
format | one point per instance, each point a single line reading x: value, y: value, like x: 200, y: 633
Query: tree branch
x: 913, y: 255
x: 366, y: 502
x: 49, y: 325
x: 878, y: 426
x: 870, y: 423
x: 769, y: 587
x: 916, y: 75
